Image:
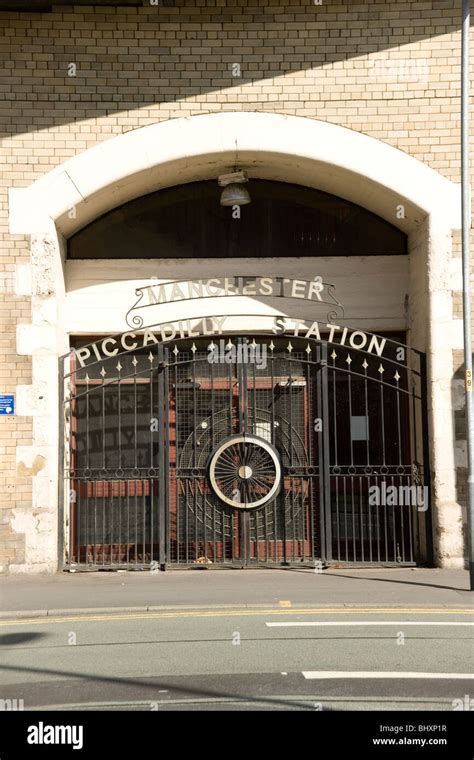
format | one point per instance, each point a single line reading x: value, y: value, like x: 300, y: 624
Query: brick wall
x: 388, y: 69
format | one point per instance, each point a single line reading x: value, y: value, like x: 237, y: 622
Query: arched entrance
x: 393, y: 185
x: 228, y: 451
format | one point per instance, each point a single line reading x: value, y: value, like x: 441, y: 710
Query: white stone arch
x: 386, y: 181
x: 270, y: 146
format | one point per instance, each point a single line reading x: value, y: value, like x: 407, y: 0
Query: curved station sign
x: 150, y: 297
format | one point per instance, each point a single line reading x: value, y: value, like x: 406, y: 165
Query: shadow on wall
x: 169, y: 55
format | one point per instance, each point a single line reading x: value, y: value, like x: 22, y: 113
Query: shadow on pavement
x: 392, y: 580
x: 8, y: 639
x: 155, y: 686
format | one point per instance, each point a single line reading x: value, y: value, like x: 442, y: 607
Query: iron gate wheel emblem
x: 245, y: 471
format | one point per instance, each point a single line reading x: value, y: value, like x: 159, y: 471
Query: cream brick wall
x: 387, y: 69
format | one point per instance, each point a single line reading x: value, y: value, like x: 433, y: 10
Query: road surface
x: 280, y: 658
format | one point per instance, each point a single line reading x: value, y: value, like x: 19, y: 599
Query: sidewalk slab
x: 109, y: 592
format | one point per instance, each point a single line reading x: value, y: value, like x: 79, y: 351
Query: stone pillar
x: 43, y: 341
x: 444, y: 336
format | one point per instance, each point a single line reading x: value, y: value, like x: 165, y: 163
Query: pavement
x: 102, y: 592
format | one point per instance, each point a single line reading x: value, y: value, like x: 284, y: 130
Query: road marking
x: 331, y: 674
x: 285, y: 603
x: 245, y: 612
x: 323, y: 623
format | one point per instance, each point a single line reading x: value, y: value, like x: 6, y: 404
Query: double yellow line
x: 244, y: 612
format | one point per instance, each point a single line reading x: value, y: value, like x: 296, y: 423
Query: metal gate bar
x: 140, y: 428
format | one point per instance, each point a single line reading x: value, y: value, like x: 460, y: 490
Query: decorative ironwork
x: 245, y: 472
x: 169, y: 458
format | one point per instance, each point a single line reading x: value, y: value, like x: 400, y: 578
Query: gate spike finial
x: 349, y: 360
x: 308, y: 349
x: 103, y: 372
x: 333, y: 355
x: 175, y: 350
x: 381, y: 369
x: 289, y: 347
x: 397, y: 376
x: 118, y: 366
x: 364, y: 364
x: 134, y: 361
x: 271, y: 346
x: 150, y: 358
x: 193, y: 348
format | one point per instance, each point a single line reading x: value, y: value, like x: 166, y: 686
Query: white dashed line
x: 324, y: 624
x: 347, y: 674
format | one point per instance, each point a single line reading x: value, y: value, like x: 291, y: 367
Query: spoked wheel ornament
x: 245, y: 471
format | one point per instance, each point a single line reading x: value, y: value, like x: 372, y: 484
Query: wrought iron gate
x: 278, y: 451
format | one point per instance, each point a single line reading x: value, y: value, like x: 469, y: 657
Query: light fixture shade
x: 235, y: 195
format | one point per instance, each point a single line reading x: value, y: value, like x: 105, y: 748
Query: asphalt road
x: 242, y: 659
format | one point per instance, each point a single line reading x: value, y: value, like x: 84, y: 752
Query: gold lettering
x: 266, y: 286
x: 105, y: 344
x: 210, y: 292
x: 378, y: 344
x: 125, y: 344
x: 176, y: 293
x: 82, y: 354
x: 148, y: 337
x: 296, y: 287
x: 313, y: 330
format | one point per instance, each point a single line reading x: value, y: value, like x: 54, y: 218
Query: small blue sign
x: 7, y: 404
